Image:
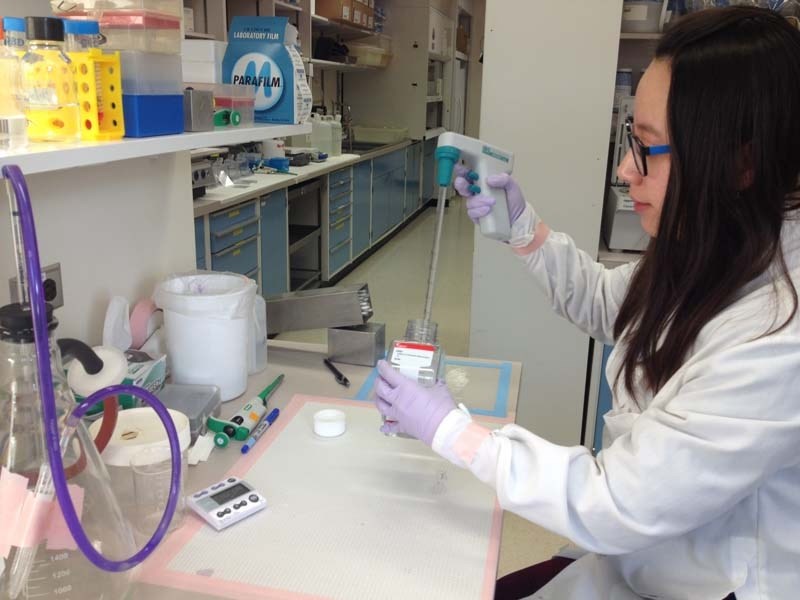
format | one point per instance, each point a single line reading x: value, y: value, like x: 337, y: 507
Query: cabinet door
x: 381, y: 193
x: 428, y: 171
x: 274, y: 243
x: 412, y: 179
x: 397, y: 183
x: 362, y: 198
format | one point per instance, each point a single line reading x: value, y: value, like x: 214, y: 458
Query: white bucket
x: 207, y: 317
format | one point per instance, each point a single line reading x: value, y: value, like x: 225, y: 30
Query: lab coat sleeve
x: 733, y: 423
x: 578, y: 288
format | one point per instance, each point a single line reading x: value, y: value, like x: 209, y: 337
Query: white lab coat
x: 697, y: 490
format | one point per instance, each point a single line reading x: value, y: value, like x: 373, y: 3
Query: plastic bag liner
x: 207, y: 294
x: 208, y: 318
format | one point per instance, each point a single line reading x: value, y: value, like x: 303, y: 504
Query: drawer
x: 241, y: 258
x: 339, y: 257
x: 199, y: 238
x: 340, y: 176
x: 339, y: 201
x: 235, y: 234
x: 225, y: 219
x: 340, y: 213
x: 389, y: 162
x: 337, y: 189
x: 201, y: 263
x: 339, y: 231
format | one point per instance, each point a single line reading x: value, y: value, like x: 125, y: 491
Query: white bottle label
x: 409, y: 357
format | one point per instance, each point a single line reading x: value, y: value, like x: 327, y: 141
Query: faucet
x: 347, y: 123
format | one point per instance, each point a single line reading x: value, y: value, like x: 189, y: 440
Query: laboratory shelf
x: 431, y: 99
x: 337, y: 66
x: 302, y: 235
x: 462, y: 56
x: 640, y: 36
x: 344, y: 31
x: 46, y: 157
x: 287, y: 5
x: 196, y: 35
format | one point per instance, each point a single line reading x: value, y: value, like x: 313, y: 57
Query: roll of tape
x: 140, y: 319
x: 330, y: 422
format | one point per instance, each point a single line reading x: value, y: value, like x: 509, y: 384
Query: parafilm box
x: 261, y: 53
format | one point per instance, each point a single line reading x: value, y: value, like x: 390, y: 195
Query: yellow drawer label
x: 340, y: 227
x: 234, y: 213
x: 238, y: 231
x: 237, y: 252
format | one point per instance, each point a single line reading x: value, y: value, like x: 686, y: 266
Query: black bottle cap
x: 44, y: 28
x: 16, y: 322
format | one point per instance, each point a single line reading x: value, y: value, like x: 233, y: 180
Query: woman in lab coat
x: 696, y: 493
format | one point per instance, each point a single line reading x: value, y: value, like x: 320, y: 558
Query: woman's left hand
x: 409, y: 407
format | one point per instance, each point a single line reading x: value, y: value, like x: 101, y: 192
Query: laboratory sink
x: 362, y: 147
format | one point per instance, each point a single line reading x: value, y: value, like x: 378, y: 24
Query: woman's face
x: 650, y: 126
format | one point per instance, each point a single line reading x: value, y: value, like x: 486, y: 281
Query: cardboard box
x: 371, y: 19
x: 339, y: 10
x: 358, y: 12
x: 462, y: 40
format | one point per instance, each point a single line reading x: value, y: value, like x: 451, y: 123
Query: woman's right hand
x: 478, y: 204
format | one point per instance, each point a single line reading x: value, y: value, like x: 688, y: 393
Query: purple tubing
x: 51, y: 434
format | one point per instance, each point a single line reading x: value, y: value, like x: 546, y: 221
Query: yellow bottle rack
x: 101, y: 110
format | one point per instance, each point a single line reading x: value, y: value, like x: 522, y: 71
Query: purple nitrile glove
x: 479, y: 205
x: 409, y: 407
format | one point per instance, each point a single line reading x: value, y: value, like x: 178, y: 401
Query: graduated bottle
x: 47, y: 87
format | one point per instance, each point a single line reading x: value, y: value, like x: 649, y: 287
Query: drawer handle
x: 251, y: 274
x: 343, y: 207
x: 236, y: 229
x: 338, y: 247
x: 237, y: 247
x: 340, y: 223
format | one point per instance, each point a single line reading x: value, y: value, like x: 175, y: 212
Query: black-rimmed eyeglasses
x: 640, y: 151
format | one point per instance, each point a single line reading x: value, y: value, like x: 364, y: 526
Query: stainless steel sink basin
x: 361, y: 147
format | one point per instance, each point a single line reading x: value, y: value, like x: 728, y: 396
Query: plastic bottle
x: 14, y: 37
x: 13, y: 125
x: 320, y: 133
x: 326, y: 135
x: 336, y: 134
x: 82, y: 36
x: 418, y: 355
x: 47, y: 85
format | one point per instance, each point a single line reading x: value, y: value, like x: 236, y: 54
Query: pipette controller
x: 485, y: 160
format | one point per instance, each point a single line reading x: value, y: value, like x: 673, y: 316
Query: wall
x: 25, y: 8
x: 548, y: 85
x: 116, y: 229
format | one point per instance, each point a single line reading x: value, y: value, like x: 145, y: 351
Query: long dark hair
x: 734, y: 126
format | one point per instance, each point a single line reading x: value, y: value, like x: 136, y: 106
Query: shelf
x: 431, y: 99
x: 302, y: 235
x: 287, y: 5
x: 461, y: 56
x: 640, y: 36
x: 45, y: 157
x: 303, y: 278
x: 343, y: 30
x: 438, y: 57
x: 434, y: 133
x: 196, y: 35
x: 336, y: 66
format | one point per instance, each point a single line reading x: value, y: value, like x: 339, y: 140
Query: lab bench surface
x: 257, y: 185
x: 304, y: 374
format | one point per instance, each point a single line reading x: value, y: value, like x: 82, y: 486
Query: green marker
x: 244, y: 421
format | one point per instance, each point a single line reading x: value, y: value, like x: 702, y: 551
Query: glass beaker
x: 47, y: 83
x: 152, y: 477
x: 13, y: 124
x: 58, y: 570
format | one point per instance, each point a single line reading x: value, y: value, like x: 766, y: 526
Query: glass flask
x: 56, y: 568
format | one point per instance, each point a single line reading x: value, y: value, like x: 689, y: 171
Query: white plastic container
x: 150, y: 73
x: 321, y: 137
x: 642, y: 16
x: 207, y: 318
x: 371, y: 56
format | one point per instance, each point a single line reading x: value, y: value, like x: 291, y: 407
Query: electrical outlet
x: 51, y: 278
